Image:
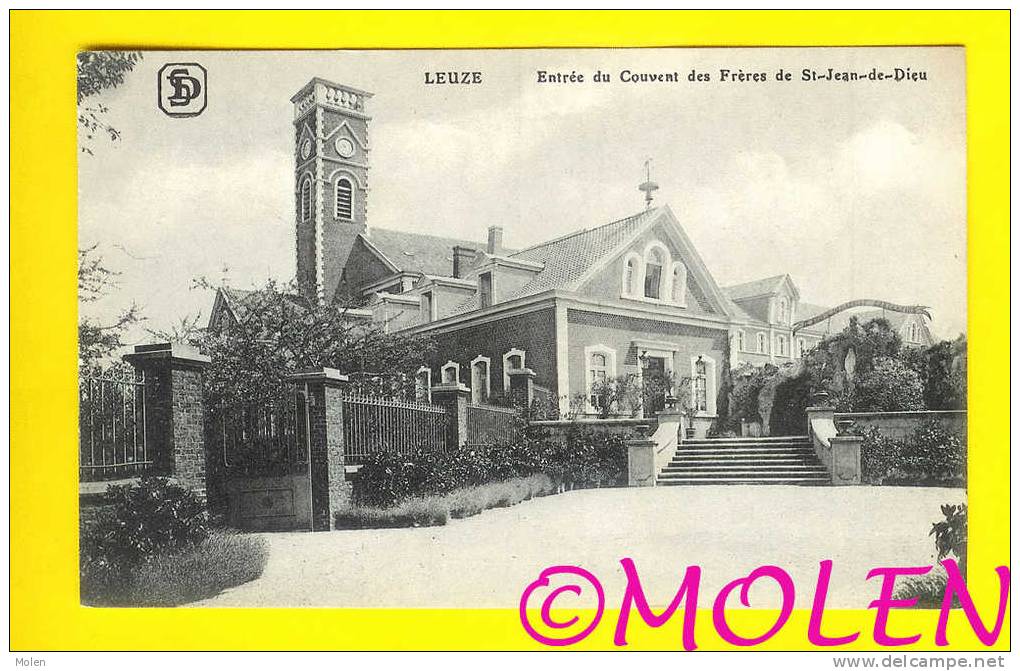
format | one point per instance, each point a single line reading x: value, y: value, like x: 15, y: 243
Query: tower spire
x: 648, y: 186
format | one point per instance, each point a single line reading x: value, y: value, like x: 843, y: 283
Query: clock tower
x: 330, y: 182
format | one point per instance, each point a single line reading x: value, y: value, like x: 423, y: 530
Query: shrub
x: 221, y: 561
x: 588, y: 458
x: 890, y: 386
x: 929, y: 589
x: 435, y: 510
x: 936, y: 454
x: 151, y: 517
x: 931, y: 455
x: 881, y: 457
x: 951, y: 534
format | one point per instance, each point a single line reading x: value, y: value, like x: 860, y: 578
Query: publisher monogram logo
x: 182, y: 89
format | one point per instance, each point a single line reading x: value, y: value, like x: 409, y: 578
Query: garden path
x: 487, y: 560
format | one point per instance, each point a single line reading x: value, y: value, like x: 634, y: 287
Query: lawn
x: 486, y: 561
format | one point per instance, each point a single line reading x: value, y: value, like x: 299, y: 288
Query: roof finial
x: 648, y: 186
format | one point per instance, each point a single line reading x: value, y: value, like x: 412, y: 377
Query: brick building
x: 631, y: 295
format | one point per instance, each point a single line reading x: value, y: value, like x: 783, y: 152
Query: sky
x: 855, y: 189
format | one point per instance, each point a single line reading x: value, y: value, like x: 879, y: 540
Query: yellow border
x: 44, y: 610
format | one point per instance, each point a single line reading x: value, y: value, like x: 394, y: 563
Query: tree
x: 891, y: 385
x: 97, y: 341
x: 943, y: 370
x: 278, y: 333
x: 98, y: 71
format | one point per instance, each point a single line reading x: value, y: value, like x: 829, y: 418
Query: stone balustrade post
x: 641, y: 462
x: 323, y: 389
x: 453, y: 396
x: 174, y: 411
x: 846, y: 460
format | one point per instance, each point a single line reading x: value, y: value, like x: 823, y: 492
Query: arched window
x: 344, y: 199
x: 451, y: 372
x: 679, y: 283
x: 305, y: 199
x: 781, y: 345
x: 784, y: 310
x: 631, y: 273
x: 600, y: 362
x: 480, y: 388
x: 512, y: 360
x: 654, y: 263
x: 761, y: 343
x: 741, y: 345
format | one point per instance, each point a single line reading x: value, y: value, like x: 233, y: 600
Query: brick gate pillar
x: 522, y: 386
x: 454, y: 397
x: 174, y: 411
x: 326, y: 469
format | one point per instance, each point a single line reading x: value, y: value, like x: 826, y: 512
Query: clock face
x: 344, y: 147
x: 306, y: 148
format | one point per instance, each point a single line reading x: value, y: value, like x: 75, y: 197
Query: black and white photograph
x: 403, y: 329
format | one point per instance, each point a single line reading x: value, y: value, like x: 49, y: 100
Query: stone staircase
x: 778, y: 460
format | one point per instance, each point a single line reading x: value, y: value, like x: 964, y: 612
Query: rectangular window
x: 485, y: 289
x: 426, y: 306
x: 700, y: 386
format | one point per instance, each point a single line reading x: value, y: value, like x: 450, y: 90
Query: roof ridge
x: 583, y: 230
x: 368, y: 234
x: 761, y: 279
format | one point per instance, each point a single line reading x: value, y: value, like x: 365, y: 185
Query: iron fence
x: 491, y: 424
x: 112, y: 428
x: 266, y: 436
x: 373, y: 424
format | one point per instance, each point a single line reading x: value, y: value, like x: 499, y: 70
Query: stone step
x: 806, y: 481
x: 744, y: 446
x: 749, y: 454
x: 760, y: 439
x: 681, y: 468
x: 744, y: 472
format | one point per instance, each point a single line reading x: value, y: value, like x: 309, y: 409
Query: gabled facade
x: 630, y: 296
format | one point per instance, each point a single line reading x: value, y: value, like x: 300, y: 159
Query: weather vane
x: 648, y: 186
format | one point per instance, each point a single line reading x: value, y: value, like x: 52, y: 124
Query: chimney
x: 495, y: 240
x: 462, y: 256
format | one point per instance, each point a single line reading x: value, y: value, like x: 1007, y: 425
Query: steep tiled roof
x: 760, y: 287
x: 416, y: 252
x: 567, y: 258
x: 809, y: 310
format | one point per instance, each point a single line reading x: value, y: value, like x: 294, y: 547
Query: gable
x: 703, y: 292
x: 364, y: 267
x: 607, y: 281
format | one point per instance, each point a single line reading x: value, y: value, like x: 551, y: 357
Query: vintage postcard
x: 523, y: 328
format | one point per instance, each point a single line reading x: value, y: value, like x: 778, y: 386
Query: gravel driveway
x: 487, y: 560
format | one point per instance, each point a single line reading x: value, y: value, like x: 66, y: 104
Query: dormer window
x: 784, y: 310
x: 344, y: 199
x: 485, y: 289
